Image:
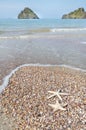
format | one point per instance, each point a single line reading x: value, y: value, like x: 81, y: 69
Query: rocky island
x: 27, y: 13
x: 76, y: 14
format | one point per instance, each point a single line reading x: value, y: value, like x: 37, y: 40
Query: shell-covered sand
x: 24, y: 103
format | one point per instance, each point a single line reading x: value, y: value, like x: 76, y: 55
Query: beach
x: 24, y: 104
x: 38, y: 57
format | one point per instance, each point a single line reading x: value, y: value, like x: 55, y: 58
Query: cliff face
x: 27, y: 13
x: 76, y: 14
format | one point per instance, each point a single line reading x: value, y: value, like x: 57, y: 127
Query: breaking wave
x: 43, y: 31
x: 67, y: 29
x: 83, y: 43
x: 15, y: 37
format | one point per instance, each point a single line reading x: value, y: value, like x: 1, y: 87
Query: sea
x: 59, y: 42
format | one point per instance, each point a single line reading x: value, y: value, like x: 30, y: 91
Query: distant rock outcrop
x: 27, y: 13
x: 76, y: 14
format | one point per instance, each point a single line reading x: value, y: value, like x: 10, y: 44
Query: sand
x: 24, y: 104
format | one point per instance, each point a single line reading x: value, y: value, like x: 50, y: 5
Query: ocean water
x: 42, y: 41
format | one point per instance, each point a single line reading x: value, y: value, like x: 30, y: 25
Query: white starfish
x: 56, y: 106
x: 57, y: 93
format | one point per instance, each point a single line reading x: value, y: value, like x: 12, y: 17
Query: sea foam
x: 83, y: 43
x: 15, y: 37
x: 67, y: 29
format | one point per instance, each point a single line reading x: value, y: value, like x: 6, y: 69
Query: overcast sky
x: 43, y: 8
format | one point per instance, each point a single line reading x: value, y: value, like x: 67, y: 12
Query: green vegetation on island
x: 27, y: 13
x: 76, y: 14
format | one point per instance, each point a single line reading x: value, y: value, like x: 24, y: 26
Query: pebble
x: 25, y: 99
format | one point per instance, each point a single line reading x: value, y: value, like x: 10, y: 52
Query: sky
x: 43, y: 8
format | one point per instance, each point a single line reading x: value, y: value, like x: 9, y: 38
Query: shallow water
x: 55, y: 46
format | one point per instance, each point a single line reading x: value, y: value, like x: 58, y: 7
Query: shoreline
x: 24, y: 100
x: 7, y: 77
x: 51, y: 45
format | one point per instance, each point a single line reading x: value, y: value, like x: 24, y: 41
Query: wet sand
x: 24, y: 101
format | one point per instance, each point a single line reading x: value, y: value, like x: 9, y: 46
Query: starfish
x: 57, y: 93
x: 57, y: 106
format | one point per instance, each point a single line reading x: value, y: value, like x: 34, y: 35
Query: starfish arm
x: 53, y: 106
x: 55, y: 109
x: 63, y: 109
x: 63, y: 93
x: 58, y: 92
x: 55, y: 94
x: 51, y: 92
x: 59, y: 96
x: 51, y: 96
x: 57, y: 106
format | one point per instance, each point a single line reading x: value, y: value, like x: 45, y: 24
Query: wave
x: 67, y: 29
x: 83, y: 43
x: 6, y: 79
x: 43, y: 31
x: 72, y: 67
x: 22, y: 37
x: 15, y: 37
